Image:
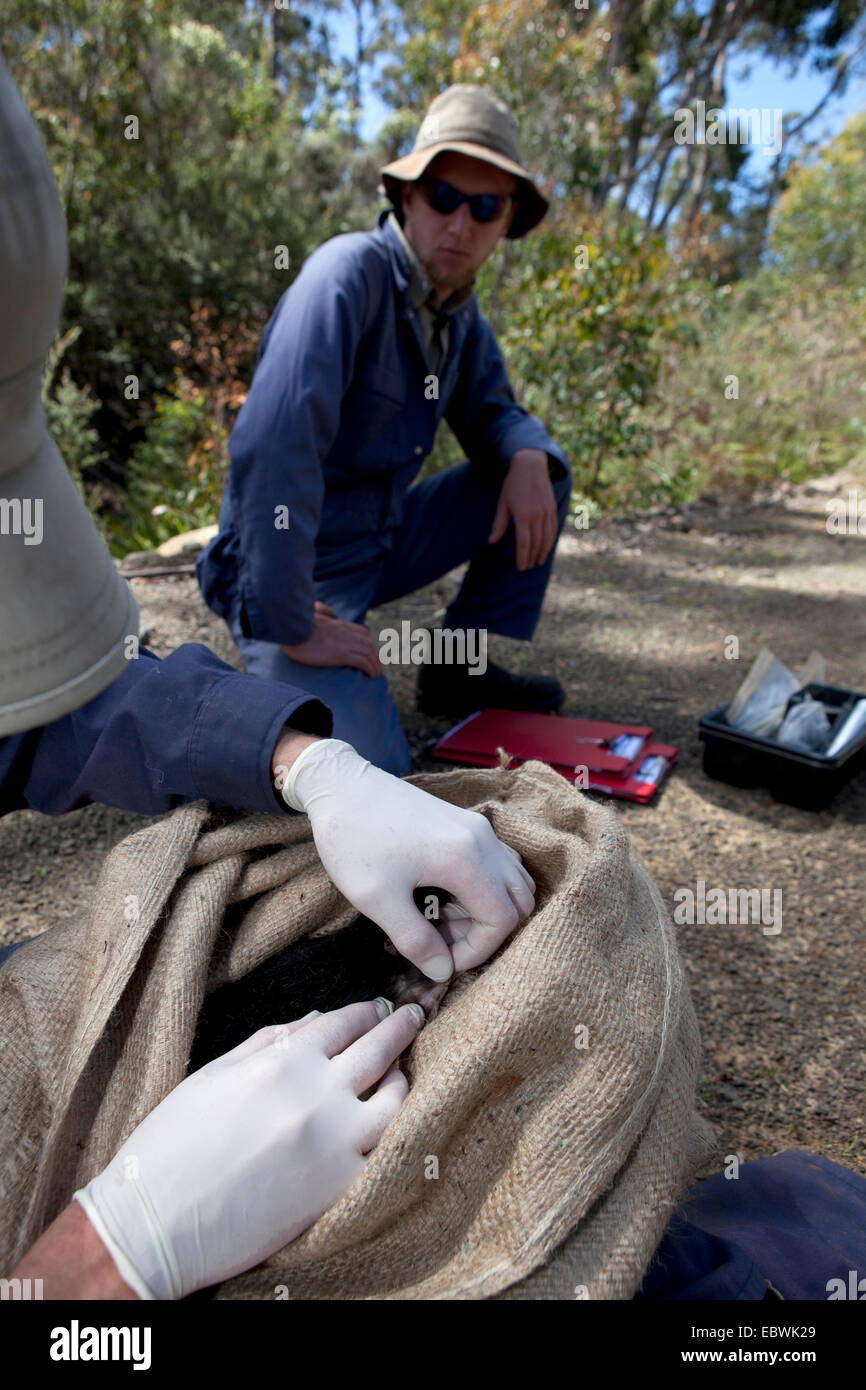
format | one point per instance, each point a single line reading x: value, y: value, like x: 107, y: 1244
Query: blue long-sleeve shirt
x: 165, y: 732
x: 342, y: 412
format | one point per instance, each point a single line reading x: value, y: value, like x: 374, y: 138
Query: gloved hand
x: 379, y: 838
x: 249, y: 1151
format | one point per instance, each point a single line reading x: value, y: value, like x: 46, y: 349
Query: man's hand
x: 337, y: 643
x: 249, y: 1151
x: 379, y: 838
x: 527, y: 497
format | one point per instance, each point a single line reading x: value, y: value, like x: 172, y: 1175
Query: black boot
x: 450, y: 689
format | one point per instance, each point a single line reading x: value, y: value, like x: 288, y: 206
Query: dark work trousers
x: 445, y: 522
x: 796, y: 1221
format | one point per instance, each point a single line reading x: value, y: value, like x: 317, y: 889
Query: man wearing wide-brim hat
x: 379, y: 339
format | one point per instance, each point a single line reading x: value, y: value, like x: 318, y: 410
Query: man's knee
x: 366, y: 716
x: 381, y: 742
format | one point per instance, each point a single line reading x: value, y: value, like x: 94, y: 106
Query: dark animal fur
x: 324, y: 972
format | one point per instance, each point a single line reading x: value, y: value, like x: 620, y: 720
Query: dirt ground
x: 635, y: 624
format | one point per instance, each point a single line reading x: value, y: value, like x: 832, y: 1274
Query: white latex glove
x: 250, y: 1150
x: 379, y: 838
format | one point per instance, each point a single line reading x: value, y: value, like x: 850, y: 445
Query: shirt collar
x: 421, y: 289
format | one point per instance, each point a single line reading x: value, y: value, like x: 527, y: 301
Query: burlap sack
x: 558, y: 1164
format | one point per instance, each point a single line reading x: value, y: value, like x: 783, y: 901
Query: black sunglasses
x: 444, y: 198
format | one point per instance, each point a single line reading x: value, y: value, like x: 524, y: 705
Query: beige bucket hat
x: 65, y: 612
x: 471, y: 120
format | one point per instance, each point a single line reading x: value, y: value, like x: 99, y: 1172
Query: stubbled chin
x: 444, y: 270
x: 453, y: 277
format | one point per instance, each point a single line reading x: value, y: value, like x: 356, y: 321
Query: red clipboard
x: 573, y: 747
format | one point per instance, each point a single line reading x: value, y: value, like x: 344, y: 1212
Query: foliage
x: 799, y: 366
x: 191, y: 141
x: 69, y: 410
x: 182, y: 168
x: 817, y: 227
x: 175, y: 476
x: 793, y: 333
x: 581, y: 344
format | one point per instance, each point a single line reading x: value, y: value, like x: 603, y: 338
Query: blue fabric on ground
x: 6, y: 951
x: 797, y: 1220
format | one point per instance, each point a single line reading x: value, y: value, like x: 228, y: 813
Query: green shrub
x: 174, y: 476
x: 69, y: 409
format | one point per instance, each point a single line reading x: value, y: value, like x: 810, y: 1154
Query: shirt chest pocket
x: 377, y: 418
x: 385, y: 381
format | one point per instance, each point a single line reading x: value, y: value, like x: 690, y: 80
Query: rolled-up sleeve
x: 484, y: 413
x: 167, y: 731
x: 284, y: 431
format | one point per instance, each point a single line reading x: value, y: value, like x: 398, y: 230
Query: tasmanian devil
x: 324, y: 972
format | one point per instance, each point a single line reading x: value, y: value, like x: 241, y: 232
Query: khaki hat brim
x: 532, y: 205
x: 65, y: 612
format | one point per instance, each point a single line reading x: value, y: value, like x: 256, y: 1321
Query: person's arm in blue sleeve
x: 484, y: 413
x: 184, y: 728
x: 285, y: 429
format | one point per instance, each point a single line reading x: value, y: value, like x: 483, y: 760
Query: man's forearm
x: 72, y: 1261
x: 529, y: 456
x: 288, y: 746
x: 536, y: 458
x: 168, y: 731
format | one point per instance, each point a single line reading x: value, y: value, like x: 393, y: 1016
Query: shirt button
x: 418, y: 449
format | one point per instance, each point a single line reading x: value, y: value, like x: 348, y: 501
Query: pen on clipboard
x: 622, y: 746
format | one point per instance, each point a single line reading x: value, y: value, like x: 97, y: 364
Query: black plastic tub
x: 808, y: 780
